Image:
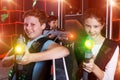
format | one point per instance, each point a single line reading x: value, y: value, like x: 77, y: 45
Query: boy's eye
x: 25, y: 24
x: 32, y: 24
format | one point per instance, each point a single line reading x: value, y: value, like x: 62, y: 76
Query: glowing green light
x: 10, y: 74
x: 89, y: 43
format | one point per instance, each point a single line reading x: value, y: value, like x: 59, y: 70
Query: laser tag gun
x: 88, y: 46
x: 60, y: 34
x: 25, y: 72
x: 88, y: 54
x: 65, y: 35
x: 18, y: 50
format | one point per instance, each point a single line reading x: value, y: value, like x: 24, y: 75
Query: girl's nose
x: 91, y: 29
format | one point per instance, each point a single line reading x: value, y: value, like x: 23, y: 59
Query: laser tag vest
x: 103, y: 57
x: 27, y: 72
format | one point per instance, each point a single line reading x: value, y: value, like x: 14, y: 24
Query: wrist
x: 12, y: 58
x: 95, y: 68
x: 98, y: 72
x: 30, y: 58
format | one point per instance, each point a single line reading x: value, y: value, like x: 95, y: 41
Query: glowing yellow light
x: 19, y: 49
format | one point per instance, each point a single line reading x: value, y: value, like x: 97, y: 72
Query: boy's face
x: 32, y: 27
x: 53, y: 24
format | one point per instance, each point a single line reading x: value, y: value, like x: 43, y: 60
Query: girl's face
x: 32, y: 27
x: 93, y: 27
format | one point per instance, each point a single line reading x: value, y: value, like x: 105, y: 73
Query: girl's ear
x: 103, y: 26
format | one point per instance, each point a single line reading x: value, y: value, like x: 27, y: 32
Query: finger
x: 22, y: 62
x: 88, y: 66
x: 89, y: 71
x: 84, y: 63
x: 26, y: 51
x: 84, y: 66
x: 91, y: 62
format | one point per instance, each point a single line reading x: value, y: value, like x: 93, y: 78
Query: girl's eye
x: 96, y: 26
x: 87, y: 25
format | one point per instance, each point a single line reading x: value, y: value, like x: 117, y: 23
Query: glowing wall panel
x: 11, y: 22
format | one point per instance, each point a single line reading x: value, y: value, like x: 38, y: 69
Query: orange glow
x: 11, y: 2
x: 3, y: 43
x: 71, y: 36
x: 2, y: 55
x: 67, y: 3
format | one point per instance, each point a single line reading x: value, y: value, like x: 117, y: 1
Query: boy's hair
x: 41, y: 15
x: 52, y: 18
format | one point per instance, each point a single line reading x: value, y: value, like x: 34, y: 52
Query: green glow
x: 4, y: 16
x: 89, y: 43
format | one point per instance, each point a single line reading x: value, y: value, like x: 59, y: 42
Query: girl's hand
x: 89, y: 67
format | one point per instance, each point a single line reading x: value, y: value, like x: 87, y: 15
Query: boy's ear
x: 43, y: 26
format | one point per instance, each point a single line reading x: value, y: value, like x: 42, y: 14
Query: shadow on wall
x: 73, y: 26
